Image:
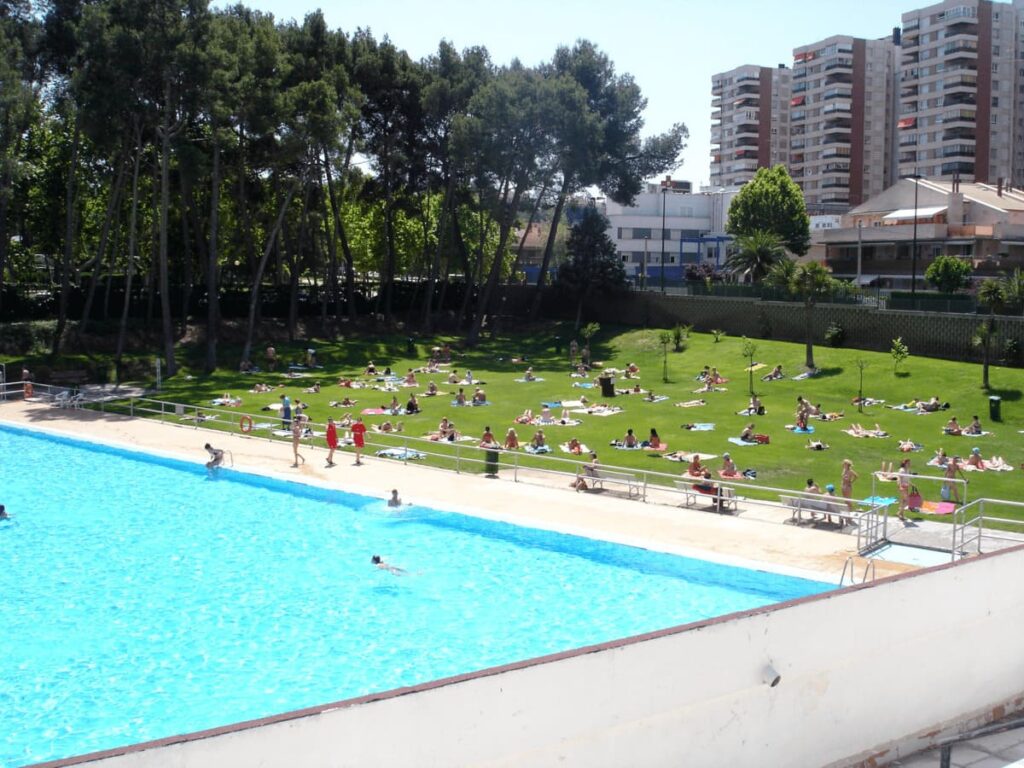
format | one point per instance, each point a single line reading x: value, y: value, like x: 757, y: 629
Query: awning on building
x: 907, y: 122
x: 797, y: 101
x: 914, y: 213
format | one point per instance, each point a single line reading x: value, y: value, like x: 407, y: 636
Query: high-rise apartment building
x: 749, y: 122
x: 841, y: 120
x: 957, y: 100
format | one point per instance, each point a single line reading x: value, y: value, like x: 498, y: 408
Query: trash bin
x: 410, y: 346
x: 995, y: 404
x: 491, y: 462
x: 558, y: 345
x: 607, y: 386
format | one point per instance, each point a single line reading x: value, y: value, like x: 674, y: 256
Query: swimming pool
x: 143, y: 597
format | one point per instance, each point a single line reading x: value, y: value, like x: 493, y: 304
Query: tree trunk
x: 468, y: 268
x: 254, y: 293
x: 165, y: 204
x: 112, y: 203
x: 426, y: 316
x: 132, y: 241
x: 339, y: 228
x: 809, y: 334
x: 504, y: 231
x: 549, y: 248
x: 115, y: 249
x: 187, y: 276
x: 69, y: 236
x: 212, y: 281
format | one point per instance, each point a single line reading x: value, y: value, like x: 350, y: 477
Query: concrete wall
x: 867, y: 674
x: 933, y: 334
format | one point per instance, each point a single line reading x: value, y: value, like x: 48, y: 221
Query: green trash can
x: 995, y: 406
x: 491, y: 460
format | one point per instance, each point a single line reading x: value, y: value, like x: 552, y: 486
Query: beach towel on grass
x: 596, y: 411
x: 871, y: 433
x: 699, y: 427
x: 382, y: 411
x: 584, y: 384
x: 539, y: 422
x: 738, y: 476
x: 659, y: 449
x: 754, y: 367
x: 620, y: 447
x: 527, y: 381
x: 288, y: 433
x: 935, y: 463
x: 564, y: 448
x: 400, y: 453
x: 264, y: 425
x: 691, y: 404
x: 880, y: 501
x: 964, y: 434
x: 688, y: 457
x: 554, y: 404
x: 744, y: 443
x: 656, y: 399
x: 570, y: 404
x: 804, y: 375
x: 906, y: 408
x: 716, y: 389
x: 938, y: 508
x: 469, y: 403
x: 535, y: 449
x: 808, y: 430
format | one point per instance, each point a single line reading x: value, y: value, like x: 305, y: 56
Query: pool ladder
x: 850, y: 567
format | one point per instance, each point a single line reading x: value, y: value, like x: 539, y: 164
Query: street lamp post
x: 913, y: 255
x: 664, y: 191
x: 860, y: 226
x: 643, y: 267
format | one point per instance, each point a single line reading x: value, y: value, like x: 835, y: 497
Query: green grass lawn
x: 784, y: 463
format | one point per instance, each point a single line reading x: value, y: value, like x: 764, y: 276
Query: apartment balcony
x: 796, y: 160
x: 716, y: 115
x: 745, y: 154
x: 908, y: 140
x: 908, y: 157
x: 799, y: 74
x: 836, y: 184
x: 835, y: 168
x: 748, y: 90
x: 909, y: 92
x: 842, y: 125
x: 839, y: 64
x: 958, y: 134
x: 948, y: 169
x: 748, y: 102
x: 911, y: 26
x: 960, y: 98
x: 839, y: 78
x: 960, y: 118
x: 910, y: 57
x: 840, y: 107
x: 910, y: 41
x: 963, y: 50
x: 746, y: 142
x: 837, y: 93
x: 797, y: 144
x: 746, y: 131
x: 958, y: 150
x: 963, y: 26
x: 964, y: 82
x: 836, y: 138
x: 835, y: 152
x: 835, y: 198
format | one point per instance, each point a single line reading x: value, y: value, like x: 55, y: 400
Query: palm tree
x: 757, y: 253
x: 992, y: 294
x: 1013, y: 287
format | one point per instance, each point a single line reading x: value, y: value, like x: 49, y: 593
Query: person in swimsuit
x: 332, y: 440
x: 359, y: 438
x: 379, y: 561
x: 216, y: 456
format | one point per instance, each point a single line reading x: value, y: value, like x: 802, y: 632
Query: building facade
x: 668, y: 230
x: 749, y: 122
x: 959, y: 100
x: 841, y: 121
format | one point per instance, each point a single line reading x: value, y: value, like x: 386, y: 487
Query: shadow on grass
x: 902, y: 374
x: 1009, y: 395
x: 826, y: 372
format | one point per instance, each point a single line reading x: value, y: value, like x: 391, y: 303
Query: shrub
x: 680, y: 333
x: 900, y: 352
x: 835, y: 334
x: 719, y: 334
x: 1011, y: 351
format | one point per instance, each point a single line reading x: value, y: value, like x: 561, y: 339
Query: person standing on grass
x: 332, y: 441
x: 846, y: 484
x: 903, y: 484
x: 359, y: 438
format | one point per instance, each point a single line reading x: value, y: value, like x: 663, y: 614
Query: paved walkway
x: 755, y: 538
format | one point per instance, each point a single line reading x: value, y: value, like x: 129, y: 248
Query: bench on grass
x: 797, y: 505
x: 722, y: 498
x: 601, y: 476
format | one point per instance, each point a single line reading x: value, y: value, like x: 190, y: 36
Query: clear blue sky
x: 671, y: 48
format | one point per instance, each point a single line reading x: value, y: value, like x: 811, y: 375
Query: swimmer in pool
x: 379, y: 561
x: 3, y: 513
x: 394, y: 501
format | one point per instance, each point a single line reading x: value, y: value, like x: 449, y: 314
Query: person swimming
x: 216, y: 456
x: 379, y: 561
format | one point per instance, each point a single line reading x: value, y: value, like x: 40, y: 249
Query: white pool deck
x: 755, y: 538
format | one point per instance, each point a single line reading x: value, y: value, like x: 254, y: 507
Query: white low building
x: 670, y: 227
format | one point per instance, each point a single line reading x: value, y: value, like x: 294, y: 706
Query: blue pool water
x: 143, y: 597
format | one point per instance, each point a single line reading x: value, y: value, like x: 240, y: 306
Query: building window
x: 640, y: 233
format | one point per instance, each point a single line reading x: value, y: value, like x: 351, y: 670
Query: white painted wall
x: 862, y: 670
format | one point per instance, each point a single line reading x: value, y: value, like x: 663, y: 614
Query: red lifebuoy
x: 27, y: 389
x: 245, y: 424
